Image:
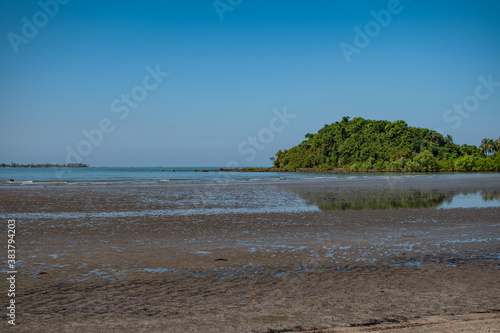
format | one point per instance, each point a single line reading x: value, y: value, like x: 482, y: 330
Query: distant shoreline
x: 341, y: 171
x: 45, y: 165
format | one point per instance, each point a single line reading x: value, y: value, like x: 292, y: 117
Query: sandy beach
x: 138, y: 258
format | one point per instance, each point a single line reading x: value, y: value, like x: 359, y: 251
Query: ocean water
x: 33, y: 176
x: 265, y: 199
x: 139, y: 175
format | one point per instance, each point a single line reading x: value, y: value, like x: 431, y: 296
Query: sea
x: 213, y: 175
x: 114, y: 175
x: 148, y: 175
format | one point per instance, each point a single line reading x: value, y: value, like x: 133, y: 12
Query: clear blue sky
x: 230, y: 66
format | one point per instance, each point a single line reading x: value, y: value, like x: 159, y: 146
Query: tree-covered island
x: 378, y: 145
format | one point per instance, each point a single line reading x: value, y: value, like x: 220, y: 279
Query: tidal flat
x: 294, y: 256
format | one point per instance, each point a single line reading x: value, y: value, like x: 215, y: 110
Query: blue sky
x: 74, y: 67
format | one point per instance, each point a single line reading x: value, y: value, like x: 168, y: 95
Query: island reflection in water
x: 396, y: 199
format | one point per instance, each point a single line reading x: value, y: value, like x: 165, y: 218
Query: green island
x: 45, y: 165
x: 363, y: 145
x: 379, y: 145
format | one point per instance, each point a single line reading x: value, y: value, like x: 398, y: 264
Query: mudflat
x: 210, y: 258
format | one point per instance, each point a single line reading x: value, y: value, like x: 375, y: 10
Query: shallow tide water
x: 327, y: 223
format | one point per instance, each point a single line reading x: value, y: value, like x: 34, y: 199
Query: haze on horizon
x: 207, y: 83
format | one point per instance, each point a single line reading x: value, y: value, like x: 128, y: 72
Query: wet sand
x: 428, y: 270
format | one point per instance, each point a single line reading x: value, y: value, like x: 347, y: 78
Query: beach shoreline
x: 251, y: 271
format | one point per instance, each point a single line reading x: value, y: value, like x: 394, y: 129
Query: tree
x: 489, y: 146
x: 426, y: 161
x: 465, y: 163
x: 484, y: 146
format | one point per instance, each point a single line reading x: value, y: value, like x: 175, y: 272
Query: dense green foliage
x: 379, y: 145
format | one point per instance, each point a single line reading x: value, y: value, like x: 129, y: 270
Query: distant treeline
x: 378, y: 145
x: 46, y: 165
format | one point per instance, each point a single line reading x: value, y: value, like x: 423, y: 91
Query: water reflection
x: 480, y: 199
x: 355, y: 199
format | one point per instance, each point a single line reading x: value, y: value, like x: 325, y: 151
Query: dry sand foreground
x: 405, y: 270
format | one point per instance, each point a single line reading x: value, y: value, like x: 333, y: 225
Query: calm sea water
x: 152, y: 174
x: 191, y: 174
x: 341, y: 200
x: 139, y: 175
